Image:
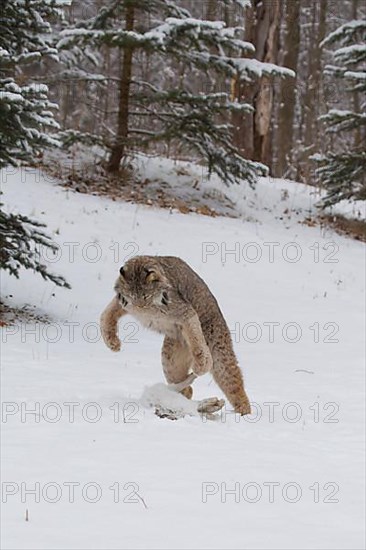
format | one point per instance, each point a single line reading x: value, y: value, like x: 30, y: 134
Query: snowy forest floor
x: 184, y: 187
x: 77, y: 426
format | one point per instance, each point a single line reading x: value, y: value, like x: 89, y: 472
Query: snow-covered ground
x: 106, y: 471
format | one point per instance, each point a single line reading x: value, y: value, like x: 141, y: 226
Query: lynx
x: 166, y: 295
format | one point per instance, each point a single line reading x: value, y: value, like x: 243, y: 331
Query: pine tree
x: 21, y: 239
x: 343, y: 172
x: 147, y: 112
x: 25, y: 116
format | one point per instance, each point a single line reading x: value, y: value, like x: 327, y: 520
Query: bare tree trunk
x: 252, y: 131
x: 356, y: 97
x: 118, y: 150
x: 66, y: 87
x: 319, y: 94
x: 288, y: 88
x: 243, y: 137
x: 211, y: 12
x: 267, y: 50
x: 313, y: 89
x: 107, y: 101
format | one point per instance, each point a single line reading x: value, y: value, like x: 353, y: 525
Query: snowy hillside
x: 106, y: 471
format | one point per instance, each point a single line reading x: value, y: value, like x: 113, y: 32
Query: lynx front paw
x: 202, y: 361
x: 113, y: 342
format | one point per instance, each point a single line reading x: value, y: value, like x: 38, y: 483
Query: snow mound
x: 161, y: 397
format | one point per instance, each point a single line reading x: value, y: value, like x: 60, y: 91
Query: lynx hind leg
x: 229, y: 378
x: 177, y: 360
x: 109, y: 324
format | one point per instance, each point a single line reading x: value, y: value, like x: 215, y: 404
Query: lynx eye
x: 122, y: 272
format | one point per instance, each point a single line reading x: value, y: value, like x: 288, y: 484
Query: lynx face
x: 142, y: 285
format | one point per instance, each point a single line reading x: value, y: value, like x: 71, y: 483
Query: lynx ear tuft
x: 152, y: 276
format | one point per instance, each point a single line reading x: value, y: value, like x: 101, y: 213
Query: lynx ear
x: 152, y: 276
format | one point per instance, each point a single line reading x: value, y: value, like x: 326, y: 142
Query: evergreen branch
x: 19, y: 238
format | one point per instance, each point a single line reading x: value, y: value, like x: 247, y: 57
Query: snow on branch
x: 345, y: 33
x: 352, y: 75
x: 351, y: 55
x: 259, y: 68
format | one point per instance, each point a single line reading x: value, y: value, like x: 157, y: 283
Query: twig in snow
x: 304, y: 370
x: 142, y: 500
